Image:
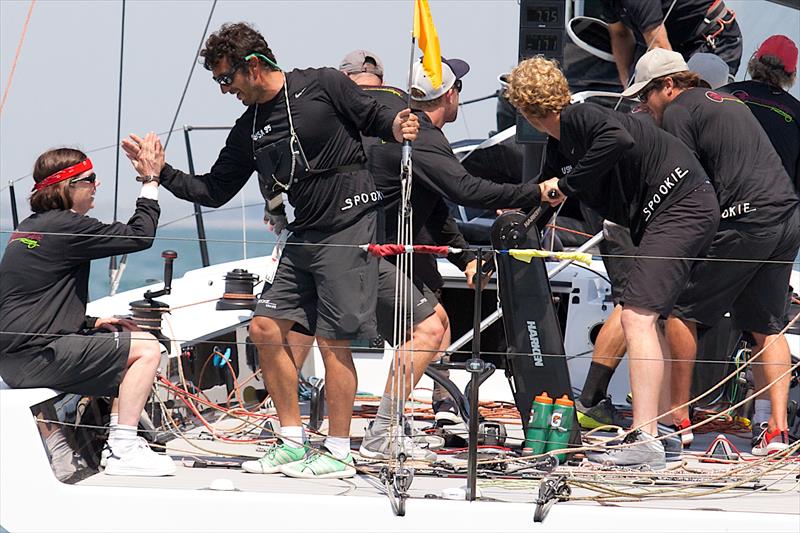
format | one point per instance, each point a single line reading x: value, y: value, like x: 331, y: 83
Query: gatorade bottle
x: 560, y: 426
x: 539, y: 424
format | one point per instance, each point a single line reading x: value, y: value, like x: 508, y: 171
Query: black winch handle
x: 169, y: 257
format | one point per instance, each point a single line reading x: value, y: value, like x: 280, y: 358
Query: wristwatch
x: 147, y: 179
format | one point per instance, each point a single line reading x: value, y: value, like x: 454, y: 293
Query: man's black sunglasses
x: 226, y: 78
x: 91, y: 178
x: 457, y: 86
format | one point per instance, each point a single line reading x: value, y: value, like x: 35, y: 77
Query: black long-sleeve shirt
x: 624, y: 168
x: 44, y: 274
x: 751, y: 184
x: 328, y: 112
x: 437, y: 174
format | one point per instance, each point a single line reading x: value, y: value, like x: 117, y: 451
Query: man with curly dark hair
x: 300, y: 132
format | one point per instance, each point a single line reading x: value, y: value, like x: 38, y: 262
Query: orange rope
x: 16, y: 56
x: 567, y: 230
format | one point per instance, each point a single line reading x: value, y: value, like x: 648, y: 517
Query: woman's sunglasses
x: 91, y: 178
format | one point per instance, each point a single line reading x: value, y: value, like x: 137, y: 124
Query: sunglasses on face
x: 226, y: 78
x: 91, y: 178
x: 457, y: 86
x: 644, y: 94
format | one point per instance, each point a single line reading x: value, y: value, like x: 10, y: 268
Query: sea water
x: 147, y: 267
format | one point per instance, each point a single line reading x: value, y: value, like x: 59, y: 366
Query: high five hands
x: 146, y: 155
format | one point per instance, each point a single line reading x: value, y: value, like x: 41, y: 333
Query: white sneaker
x: 384, y: 446
x: 139, y: 460
x: 105, y: 453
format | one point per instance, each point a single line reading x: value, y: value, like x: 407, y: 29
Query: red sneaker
x: 687, y: 437
x: 771, y: 442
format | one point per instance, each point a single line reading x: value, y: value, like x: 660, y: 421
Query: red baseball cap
x: 781, y: 47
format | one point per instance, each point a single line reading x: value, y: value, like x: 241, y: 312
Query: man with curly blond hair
x: 635, y: 175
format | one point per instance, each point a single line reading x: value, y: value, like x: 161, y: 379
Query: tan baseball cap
x: 361, y: 61
x: 655, y: 64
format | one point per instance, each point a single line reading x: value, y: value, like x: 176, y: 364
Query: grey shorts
x: 92, y: 365
x: 326, y: 284
x: 753, y: 291
x: 421, y: 302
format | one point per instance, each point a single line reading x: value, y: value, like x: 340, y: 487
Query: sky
x: 65, y: 87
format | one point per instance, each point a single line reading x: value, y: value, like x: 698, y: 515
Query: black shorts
x: 662, y: 265
x: 754, y: 292
x: 92, y: 365
x: 422, y: 301
x: 617, y: 242
x: 326, y: 283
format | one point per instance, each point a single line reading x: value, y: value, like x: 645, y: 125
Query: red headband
x: 65, y: 174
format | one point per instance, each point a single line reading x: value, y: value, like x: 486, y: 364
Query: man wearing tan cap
x: 760, y: 223
x: 363, y: 67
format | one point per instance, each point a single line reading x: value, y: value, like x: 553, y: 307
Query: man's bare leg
x: 646, y: 362
x: 427, y: 340
x: 682, y: 341
x: 299, y: 346
x: 340, y: 384
x: 277, y: 366
x: 775, y: 360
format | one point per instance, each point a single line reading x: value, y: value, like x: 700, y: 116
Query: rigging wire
x: 119, y: 107
x: 189, y: 78
x: 114, y: 271
x: 16, y: 56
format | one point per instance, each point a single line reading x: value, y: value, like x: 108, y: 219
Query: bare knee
x: 635, y: 319
x: 144, y: 347
x: 265, y: 330
x: 442, y: 316
x: 430, y: 331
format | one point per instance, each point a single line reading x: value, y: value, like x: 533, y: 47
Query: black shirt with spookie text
x: 624, y: 168
x: 751, y: 184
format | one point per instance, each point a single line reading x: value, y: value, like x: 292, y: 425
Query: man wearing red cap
x: 773, y: 69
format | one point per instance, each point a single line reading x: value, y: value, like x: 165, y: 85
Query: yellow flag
x: 425, y: 33
x: 527, y: 255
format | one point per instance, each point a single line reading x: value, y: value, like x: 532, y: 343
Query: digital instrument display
x: 542, y: 15
x: 547, y: 43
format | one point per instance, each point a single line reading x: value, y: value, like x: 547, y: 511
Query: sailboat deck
x: 690, y: 485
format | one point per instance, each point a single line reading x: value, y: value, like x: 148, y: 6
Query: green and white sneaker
x: 319, y: 466
x: 277, y: 456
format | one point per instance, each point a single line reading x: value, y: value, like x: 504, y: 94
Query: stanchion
x: 475, y: 366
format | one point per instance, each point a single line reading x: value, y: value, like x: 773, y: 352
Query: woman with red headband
x: 45, y: 339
